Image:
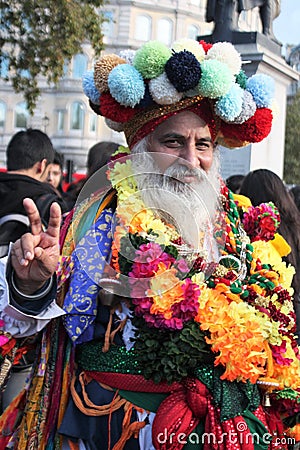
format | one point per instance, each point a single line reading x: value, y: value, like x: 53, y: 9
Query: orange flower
x: 165, y: 289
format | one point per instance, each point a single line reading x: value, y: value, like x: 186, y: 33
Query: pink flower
x: 147, y: 259
x: 3, y: 340
x: 182, y: 266
x: 261, y: 222
x: 278, y: 352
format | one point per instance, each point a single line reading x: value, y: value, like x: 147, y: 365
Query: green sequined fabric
x: 233, y: 398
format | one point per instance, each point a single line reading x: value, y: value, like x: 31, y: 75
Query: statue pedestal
x: 261, y: 55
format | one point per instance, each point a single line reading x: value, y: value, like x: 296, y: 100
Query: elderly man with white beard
x: 177, y: 322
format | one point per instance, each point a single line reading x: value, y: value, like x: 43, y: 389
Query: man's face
x: 184, y: 136
x: 54, y: 175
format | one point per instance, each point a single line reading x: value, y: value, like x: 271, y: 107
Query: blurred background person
x: 98, y: 156
x: 262, y: 186
x: 234, y: 183
x: 55, y: 178
x: 295, y: 191
x: 29, y: 155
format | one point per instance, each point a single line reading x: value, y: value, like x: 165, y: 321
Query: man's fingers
x: 33, y: 215
x: 54, y: 220
x: 24, y: 248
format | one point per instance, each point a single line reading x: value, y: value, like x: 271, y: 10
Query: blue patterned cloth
x: 90, y: 258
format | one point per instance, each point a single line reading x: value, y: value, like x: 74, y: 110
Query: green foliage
x: 38, y: 37
x: 292, y: 142
x: 170, y: 355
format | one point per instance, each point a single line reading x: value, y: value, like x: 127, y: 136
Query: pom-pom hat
x: 139, y: 90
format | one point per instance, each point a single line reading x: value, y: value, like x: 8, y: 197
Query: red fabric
x: 128, y: 382
x: 275, y: 426
x: 203, y: 109
x: 179, y: 414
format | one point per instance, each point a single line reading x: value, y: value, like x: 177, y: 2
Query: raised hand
x: 35, y: 255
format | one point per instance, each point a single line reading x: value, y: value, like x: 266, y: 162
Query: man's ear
x: 40, y: 166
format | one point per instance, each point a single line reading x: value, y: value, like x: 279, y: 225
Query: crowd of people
x: 162, y: 311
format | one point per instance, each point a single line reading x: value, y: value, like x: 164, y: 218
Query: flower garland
x: 241, y: 315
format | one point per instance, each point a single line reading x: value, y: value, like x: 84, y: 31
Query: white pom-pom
x: 128, y: 55
x: 162, y: 91
x: 227, y: 54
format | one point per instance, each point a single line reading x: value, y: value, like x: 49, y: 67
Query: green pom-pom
x: 241, y: 79
x: 151, y: 58
x: 216, y: 79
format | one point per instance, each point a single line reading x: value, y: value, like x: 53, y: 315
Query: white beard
x: 190, y: 207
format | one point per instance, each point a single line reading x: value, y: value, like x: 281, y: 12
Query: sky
x: 286, y: 26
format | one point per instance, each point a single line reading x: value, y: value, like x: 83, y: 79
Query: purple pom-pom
x: 183, y: 70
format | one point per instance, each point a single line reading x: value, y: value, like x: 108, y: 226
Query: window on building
x: 108, y: 24
x: 143, y: 28
x: 193, y: 32
x: 21, y: 115
x: 77, y: 116
x: 2, y: 114
x: 164, y: 31
x: 60, y: 120
x: 79, y: 65
x: 93, y: 121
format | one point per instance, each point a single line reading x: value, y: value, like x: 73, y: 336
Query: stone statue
x: 225, y: 14
x: 268, y: 11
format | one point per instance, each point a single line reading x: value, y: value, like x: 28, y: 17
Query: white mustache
x: 179, y: 171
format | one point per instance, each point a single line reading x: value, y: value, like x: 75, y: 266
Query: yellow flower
x: 199, y: 279
x: 280, y: 244
x: 286, y: 273
x: 266, y: 252
x: 242, y: 201
x: 165, y: 290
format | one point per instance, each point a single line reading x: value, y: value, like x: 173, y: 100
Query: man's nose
x: 190, y: 156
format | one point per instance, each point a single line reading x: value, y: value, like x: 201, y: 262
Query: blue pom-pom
x: 229, y: 106
x: 89, y: 88
x: 126, y: 85
x: 262, y: 88
x: 183, y: 70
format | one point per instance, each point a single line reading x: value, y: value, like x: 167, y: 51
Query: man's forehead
x: 181, y: 123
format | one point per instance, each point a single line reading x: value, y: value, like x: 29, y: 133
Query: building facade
x: 63, y: 111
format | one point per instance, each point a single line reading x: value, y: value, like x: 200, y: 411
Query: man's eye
x: 202, y: 145
x: 172, y: 142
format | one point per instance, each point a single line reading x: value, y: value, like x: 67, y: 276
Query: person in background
x: 295, y: 191
x: 234, y: 183
x: 98, y: 156
x: 55, y: 173
x: 29, y: 156
x: 263, y: 185
x: 55, y: 178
